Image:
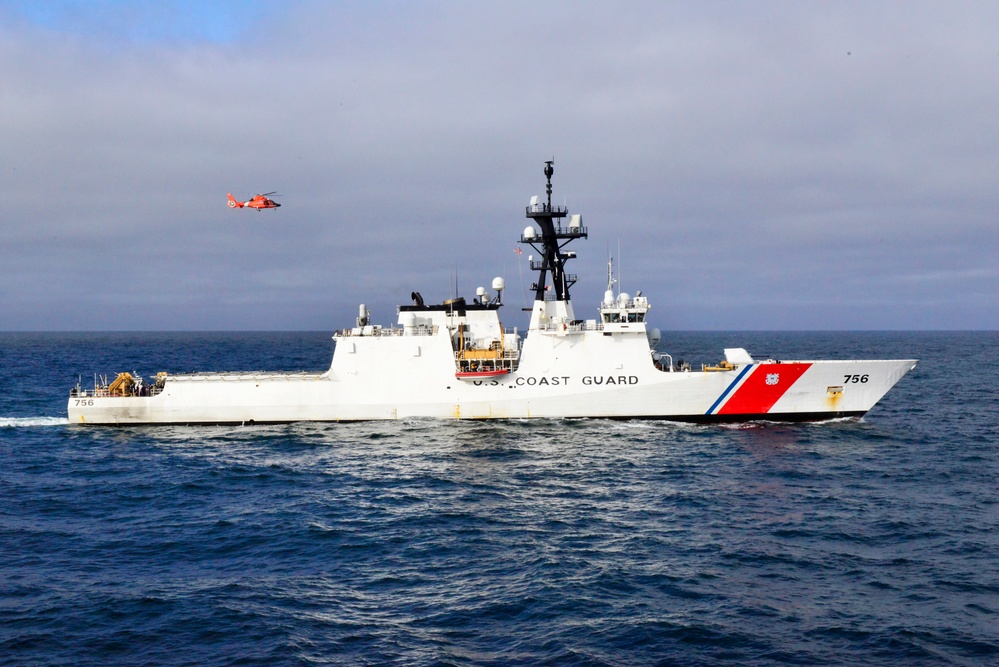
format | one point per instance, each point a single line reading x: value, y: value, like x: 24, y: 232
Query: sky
x: 750, y: 166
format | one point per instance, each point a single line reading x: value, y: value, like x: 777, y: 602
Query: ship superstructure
x: 456, y: 360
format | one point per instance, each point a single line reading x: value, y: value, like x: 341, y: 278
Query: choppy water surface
x: 579, y: 542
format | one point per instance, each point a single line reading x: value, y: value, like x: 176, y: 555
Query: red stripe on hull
x: 764, y: 387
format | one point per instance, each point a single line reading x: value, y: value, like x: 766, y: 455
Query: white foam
x: 17, y: 422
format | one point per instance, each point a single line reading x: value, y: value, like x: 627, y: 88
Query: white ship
x: 455, y: 360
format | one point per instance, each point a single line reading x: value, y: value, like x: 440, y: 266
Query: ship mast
x: 554, y: 237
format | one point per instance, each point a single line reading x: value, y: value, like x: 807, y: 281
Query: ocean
x: 554, y: 542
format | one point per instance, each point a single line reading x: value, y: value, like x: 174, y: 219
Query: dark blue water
x: 527, y: 543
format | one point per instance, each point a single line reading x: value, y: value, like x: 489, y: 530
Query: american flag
x: 518, y: 251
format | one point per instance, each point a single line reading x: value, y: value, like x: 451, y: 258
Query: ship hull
x: 779, y: 391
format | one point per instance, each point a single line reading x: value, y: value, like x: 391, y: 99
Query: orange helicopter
x: 258, y: 202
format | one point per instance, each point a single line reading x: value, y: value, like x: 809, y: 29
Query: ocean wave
x: 18, y: 422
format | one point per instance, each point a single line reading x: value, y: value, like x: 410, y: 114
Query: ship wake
x: 22, y: 422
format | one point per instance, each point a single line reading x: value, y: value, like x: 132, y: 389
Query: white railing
x: 246, y: 376
x: 374, y: 330
x: 586, y: 325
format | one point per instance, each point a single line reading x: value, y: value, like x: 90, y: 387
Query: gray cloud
x: 786, y: 165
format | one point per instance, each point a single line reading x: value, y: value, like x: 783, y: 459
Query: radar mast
x: 554, y: 237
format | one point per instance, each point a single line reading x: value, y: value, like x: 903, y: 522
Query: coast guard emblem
x: 773, y: 378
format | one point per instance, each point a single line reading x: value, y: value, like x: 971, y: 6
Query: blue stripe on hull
x: 729, y: 389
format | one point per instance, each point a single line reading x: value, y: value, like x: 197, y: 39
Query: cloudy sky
x: 767, y: 165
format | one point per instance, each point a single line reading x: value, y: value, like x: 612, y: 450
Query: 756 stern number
x: 854, y: 379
